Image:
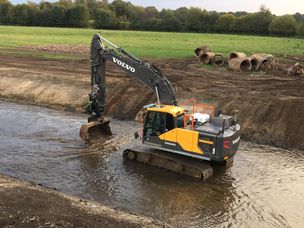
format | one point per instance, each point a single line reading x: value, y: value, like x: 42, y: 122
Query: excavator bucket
x: 97, y: 131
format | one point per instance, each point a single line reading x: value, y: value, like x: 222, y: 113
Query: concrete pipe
x: 206, y: 57
x: 240, y: 64
x: 218, y: 59
x: 254, y: 63
x: 233, y: 55
x: 198, y: 51
x: 263, y: 58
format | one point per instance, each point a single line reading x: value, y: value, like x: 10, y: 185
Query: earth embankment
x: 26, y: 205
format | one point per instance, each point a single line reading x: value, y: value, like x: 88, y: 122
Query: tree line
x: 124, y: 15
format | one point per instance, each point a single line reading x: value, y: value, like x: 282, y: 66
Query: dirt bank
x: 26, y: 205
x: 270, y: 106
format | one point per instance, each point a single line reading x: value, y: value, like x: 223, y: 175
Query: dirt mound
x: 270, y: 106
x: 60, y: 48
x: 281, y: 68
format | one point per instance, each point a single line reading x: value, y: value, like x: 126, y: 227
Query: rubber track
x: 184, y: 165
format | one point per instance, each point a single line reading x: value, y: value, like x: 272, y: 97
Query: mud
x: 264, y: 187
x: 270, y: 106
x: 28, y: 205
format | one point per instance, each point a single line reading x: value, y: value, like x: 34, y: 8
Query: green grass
x: 152, y: 44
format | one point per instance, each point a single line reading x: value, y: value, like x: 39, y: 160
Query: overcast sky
x: 278, y: 7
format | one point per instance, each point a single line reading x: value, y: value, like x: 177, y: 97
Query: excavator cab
x: 158, y: 123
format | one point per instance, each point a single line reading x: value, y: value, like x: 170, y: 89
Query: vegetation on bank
x: 125, y: 16
x: 149, y: 44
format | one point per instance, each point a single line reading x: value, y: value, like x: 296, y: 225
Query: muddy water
x: 264, y: 188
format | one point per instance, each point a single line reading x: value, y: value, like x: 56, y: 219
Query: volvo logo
x: 123, y: 65
x: 170, y: 144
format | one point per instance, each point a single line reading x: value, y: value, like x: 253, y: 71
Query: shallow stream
x: 264, y: 188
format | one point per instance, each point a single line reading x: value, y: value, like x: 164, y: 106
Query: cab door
x: 155, y: 125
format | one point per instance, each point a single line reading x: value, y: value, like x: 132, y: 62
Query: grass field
x: 152, y: 44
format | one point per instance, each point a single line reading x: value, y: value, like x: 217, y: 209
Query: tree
x: 209, y: 21
x: 140, y: 12
x: 151, y: 24
x: 33, y: 13
x: 283, y: 25
x: 169, y: 21
x: 78, y: 16
x: 58, y: 16
x: 90, y: 4
x: 300, y: 30
x: 181, y: 15
x: 256, y: 23
x: 240, y: 13
x: 299, y: 17
x: 105, y: 19
x: 260, y: 21
x: 65, y: 3
x: 145, y: 13
x: 124, y: 10
x: 5, y: 11
x: 151, y: 12
x: 193, y: 18
x: 45, y: 17
x: 226, y: 23
x: 20, y: 15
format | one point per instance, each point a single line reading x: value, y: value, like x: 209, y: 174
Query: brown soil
x: 59, y: 48
x: 270, y: 107
x: 26, y: 205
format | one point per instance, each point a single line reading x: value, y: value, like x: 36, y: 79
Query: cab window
x: 158, y: 123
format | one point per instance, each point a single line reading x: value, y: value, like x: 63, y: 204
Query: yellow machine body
x: 173, y: 129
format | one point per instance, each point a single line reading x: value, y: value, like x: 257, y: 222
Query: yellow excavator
x: 200, y: 132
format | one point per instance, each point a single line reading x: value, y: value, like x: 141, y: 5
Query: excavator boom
x: 97, y: 127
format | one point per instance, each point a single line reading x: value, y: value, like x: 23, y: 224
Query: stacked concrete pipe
x: 262, y: 58
x: 218, y: 59
x: 237, y: 61
x: 240, y: 64
x: 200, y: 50
x: 206, y: 57
x: 235, y: 55
x: 254, y: 63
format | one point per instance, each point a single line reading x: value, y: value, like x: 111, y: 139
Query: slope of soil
x: 270, y: 106
x: 26, y: 205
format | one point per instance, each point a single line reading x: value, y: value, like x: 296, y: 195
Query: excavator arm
x: 145, y: 72
x: 141, y: 70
